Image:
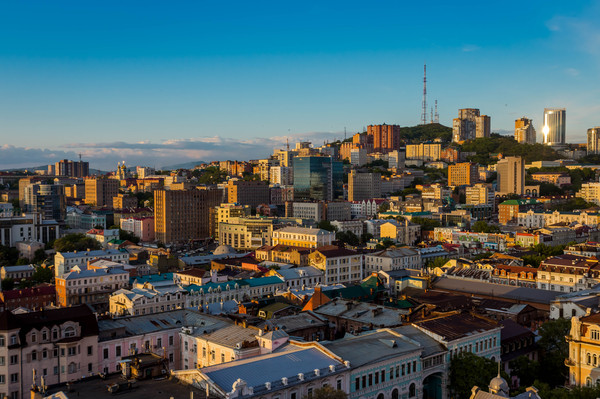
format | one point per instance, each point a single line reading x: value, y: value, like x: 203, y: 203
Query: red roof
x: 29, y: 292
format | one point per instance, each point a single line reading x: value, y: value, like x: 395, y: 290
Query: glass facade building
x: 318, y: 178
x: 555, y: 126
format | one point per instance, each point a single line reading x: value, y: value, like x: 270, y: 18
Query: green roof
x: 520, y: 202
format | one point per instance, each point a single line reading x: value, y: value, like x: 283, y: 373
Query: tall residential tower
x: 555, y: 126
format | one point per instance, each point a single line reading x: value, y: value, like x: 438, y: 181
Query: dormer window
x: 69, y: 332
x: 13, y: 339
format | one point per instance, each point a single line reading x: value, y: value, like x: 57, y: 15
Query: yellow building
x: 339, y: 265
x: 584, y: 351
x: 303, y: 237
x: 222, y: 214
x: 424, y: 151
x: 405, y: 233
x: 463, y: 174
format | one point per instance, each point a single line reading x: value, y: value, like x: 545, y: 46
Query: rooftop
x: 304, y: 230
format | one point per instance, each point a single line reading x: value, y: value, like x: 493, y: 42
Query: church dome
x: 223, y: 250
x: 499, y: 386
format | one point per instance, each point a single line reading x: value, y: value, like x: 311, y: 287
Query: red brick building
x: 30, y: 298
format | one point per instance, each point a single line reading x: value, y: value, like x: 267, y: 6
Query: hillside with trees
x: 507, y: 146
x: 420, y: 133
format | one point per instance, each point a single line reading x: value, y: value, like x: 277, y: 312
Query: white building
x: 353, y: 226
x: 64, y: 261
x: 393, y: 259
x: 303, y: 237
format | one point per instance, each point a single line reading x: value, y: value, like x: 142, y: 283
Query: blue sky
x: 159, y: 83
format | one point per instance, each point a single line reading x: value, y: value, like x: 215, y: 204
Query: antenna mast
x: 424, y: 111
x: 437, y: 116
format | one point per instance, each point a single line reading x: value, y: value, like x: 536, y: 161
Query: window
x: 90, y: 350
x: 14, y: 359
x: 364, y: 381
x: 105, y: 353
x: 13, y: 339
x: 118, y: 351
x: 171, y: 357
x: 69, y: 332
x: 14, y: 377
x: 2, y: 343
x: 222, y: 358
x: 2, y: 360
x: 55, y: 370
x: 370, y: 379
x: 33, y: 337
x: 310, y: 392
x: 171, y: 341
x: 2, y: 379
x: 34, y: 355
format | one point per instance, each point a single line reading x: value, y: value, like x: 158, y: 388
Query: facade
x: 511, y: 175
x: 590, y: 192
x: 223, y: 212
x: 76, y: 219
x: 524, y: 131
x: 281, y: 175
x: 508, y: 211
x: 424, y: 151
x: 29, y: 227
x: 309, y: 210
x: 65, y: 261
x: 339, y: 265
x: 386, y: 138
x: 246, y: 233
x: 593, y: 140
x: 46, y: 199
x: 393, y: 259
x: 146, y: 299
x: 121, y: 201
x: 363, y: 186
x: 92, y: 287
x: 404, y: 233
x: 64, y: 167
x: 17, y: 273
x: 356, y: 227
x: 557, y: 178
x: 101, y: 191
x: 555, y: 126
x: 480, y: 194
x: 143, y: 228
x: 567, y: 273
x: 33, y: 298
x: 317, y: 178
x: 302, y: 237
x: 251, y: 193
x: 358, y: 157
x: 470, y: 125
x: 584, y: 351
x: 299, y: 277
x: 59, y: 344
x: 181, y: 215
x: 463, y: 174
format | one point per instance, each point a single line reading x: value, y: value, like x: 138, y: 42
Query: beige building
x: 222, y: 214
x: 511, y: 175
x: 463, y: 174
x: 470, y: 125
x: 339, y: 265
x: 101, y: 191
x: 593, y: 140
x: 122, y: 201
x: 144, y: 299
x: 282, y: 175
x: 424, y: 151
x: 480, y: 194
x: 251, y: 193
x: 363, y: 186
x: 482, y: 126
x: 404, y: 233
x: 181, y: 215
x: 245, y: 233
x: 524, y: 131
x: 303, y: 237
x: 590, y: 192
x: 435, y: 192
x: 584, y: 351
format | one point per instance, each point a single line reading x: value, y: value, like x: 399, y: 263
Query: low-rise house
x: 33, y: 298
x: 302, y: 237
x: 405, y: 233
x: 393, y: 259
x: 308, y: 326
x: 65, y: 261
x: 92, y: 287
x: 339, y: 265
x: 514, y: 275
x: 17, y: 273
x: 103, y: 236
x: 284, y: 254
x: 299, y: 277
x: 146, y: 300
x: 516, y: 341
x: 575, y: 304
x: 465, y: 332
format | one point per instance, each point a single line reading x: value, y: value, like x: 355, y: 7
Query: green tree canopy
x: 468, y: 370
x: 482, y: 226
x: 76, y: 242
x: 507, y: 146
x: 327, y: 392
x: 427, y: 224
x: 326, y: 225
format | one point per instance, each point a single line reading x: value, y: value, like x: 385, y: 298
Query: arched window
x: 589, y: 359
x: 412, y: 390
x: 395, y: 393
x: 588, y: 382
x: 595, y: 360
x: 69, y: 332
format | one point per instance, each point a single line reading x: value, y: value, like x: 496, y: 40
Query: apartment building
x: 463, y: 174
x: 393, y: 259
x: 424, y: 151
x: 146, y: 299
x: 101, y: 191
x: 303, y: 237
x: 92, y: 287
x: 363, y: 186
x: 251, y: 193
x: 65, y: 261
x: 339, y: 265
x: 142, y: 228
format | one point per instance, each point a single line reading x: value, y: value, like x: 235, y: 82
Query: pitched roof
x: 456, y: 326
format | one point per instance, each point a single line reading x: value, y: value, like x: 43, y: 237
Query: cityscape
x: 386, y: 245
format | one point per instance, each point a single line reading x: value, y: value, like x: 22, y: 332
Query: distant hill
x: 430, y: 131
x: 186, y: 165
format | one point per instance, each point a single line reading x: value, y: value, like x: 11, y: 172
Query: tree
x: 525, y: 369
x: 348, y: 237
x: 76, y: 242
x: 8, y: 284
x: 427, y: 224
x: 42, y: 275
x: 128, y: 236
x: 482, y: 226
x: 468, y: 370
x: 39, y: 256
x: 327, y: 392
x: 555, y: 350
x: 384, y: 244
x: 384, y: 207
x: 326, y: 225
x: 437, y: 262
x: 366, y: 237
x: 8, y: 256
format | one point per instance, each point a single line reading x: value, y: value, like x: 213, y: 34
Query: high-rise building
x: 555, y: 126
x: 480, y: 194
x: 101, y: 191
x: 511, y: 175
x: 281, y: 175
x: 318, y: 178
x: 593, y: 140
x: 363, y: 186
x: 65, y: 167
x: 182, y: 215
x: 483, y: 124
x: 47, y: 199
x: 524, y: 131
x: 396, y: 159
x: 463, y: 174
x: 424, y: 151
x: 244, y: 192
x: 386, y: 138
x: 358, y: 157
x: 469, y: 125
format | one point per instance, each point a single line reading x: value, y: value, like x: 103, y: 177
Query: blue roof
x: 151, y: 278
x: 95, y: 253
x: 223, y: 286
x: 93, y: 273
x: 257, y: 282
x: 270, y: 368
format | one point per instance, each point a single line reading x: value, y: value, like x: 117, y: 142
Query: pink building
x: 59, y: 345
x: 156, y: 333
x: 140, y: 227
